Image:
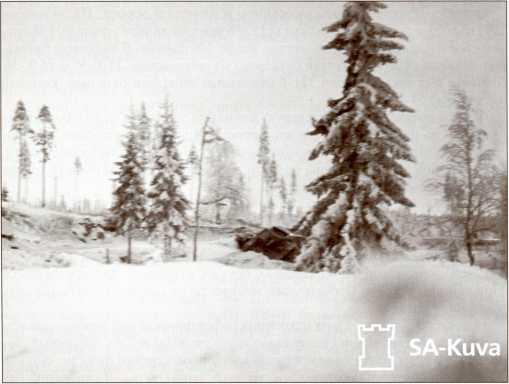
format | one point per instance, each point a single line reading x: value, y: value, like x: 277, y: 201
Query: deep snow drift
x: 206, y: 321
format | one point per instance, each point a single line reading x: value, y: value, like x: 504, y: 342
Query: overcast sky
x: 237, y: 63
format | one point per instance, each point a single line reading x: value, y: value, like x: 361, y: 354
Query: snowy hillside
x: 43, y: 238
x: 205, y: 321
x: 36, y: 237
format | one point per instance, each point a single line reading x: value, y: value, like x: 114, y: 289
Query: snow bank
x: 253, y: 260
x: 79, y: 261
x: 206, y: 321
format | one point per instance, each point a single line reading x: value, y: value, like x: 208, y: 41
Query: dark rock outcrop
x: 276, y: 243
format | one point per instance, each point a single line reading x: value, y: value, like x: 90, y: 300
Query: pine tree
x: 21, y: 126
x: 44, y: 139
x: 364, y: 145
x: 167, y: 212
x: 264, y: 161
x: 127, y: 213
x: 25, y: 166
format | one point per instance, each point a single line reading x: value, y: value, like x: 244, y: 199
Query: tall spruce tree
x: 143, y: 126
x: 21, y: 127
x: 168, y: 206
x: 132, y: 123
x: 44, y: 139
x: 127, y: 213
x: 365, y: 148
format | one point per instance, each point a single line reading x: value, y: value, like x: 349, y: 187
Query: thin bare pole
x: 198, y: 193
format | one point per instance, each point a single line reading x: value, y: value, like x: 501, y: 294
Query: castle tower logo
x: 376, y: 351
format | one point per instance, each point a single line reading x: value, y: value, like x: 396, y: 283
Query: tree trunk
x: 167, y: 247
x: 198, y: 194
x: 470, y: 253
x: 218, y: 214
x: 19, y: 186
x: 129, y: 247
x: 468, y: 225
x: 261, y: 198
x: 43, y: 201
x: 18, y: 198
x: 55, y: 192
x: 25, y: 192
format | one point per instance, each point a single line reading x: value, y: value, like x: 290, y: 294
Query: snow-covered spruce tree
x: 44, y: 140
x: 143, y: 126
x: 21, y: 127
x: 167, y: 204
x: 132, y: 123
x: 365, y: 148
x: 127, y: 213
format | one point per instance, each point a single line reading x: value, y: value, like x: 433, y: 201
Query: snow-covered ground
x: 183, y: 321
x: 43, y: 239
x: 207, y: 321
